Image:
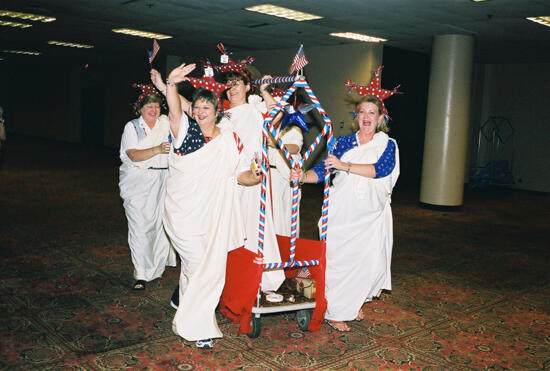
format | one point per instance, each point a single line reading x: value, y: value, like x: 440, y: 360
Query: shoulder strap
x: 139, y: 130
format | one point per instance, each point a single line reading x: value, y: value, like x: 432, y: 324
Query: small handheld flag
x: 299, y: 61
x: 151, y: 54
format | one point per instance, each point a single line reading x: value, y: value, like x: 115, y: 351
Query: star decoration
x: 296, y: 116
x: 374, y: 88
x: 208, y: 83
x: 229, y: 65
x: 146, y: 90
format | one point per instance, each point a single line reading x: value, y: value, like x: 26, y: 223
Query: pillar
x: 447, y: 121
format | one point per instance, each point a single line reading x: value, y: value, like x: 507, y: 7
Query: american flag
x: 153, y: 54
x: 299, y: 60
x: 304, y: 273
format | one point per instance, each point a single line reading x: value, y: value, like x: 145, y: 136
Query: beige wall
x: 520, y: 94
x: 329, y: 67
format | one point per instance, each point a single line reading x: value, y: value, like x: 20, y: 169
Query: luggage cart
x: 296, y: 253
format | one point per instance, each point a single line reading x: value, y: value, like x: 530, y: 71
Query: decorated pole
x: 276, y: 80
x: 269, y: 128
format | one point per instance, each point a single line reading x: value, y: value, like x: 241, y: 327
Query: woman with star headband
x: 365, y: 165
x: 143, y: 151
x: 202, y: 214
x: 245, y: 115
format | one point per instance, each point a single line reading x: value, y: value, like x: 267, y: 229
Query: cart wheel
x: 303, y: 317
x: 256, y: 324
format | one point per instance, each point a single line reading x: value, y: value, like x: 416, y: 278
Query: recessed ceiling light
x: 25, y: 52
x: 70, y: 45
x: 542, y: 20
x: 149, y: 35
x: 27, y: 16
x: 479, y: 1
x: 278, y: 11
x: 14, y: 24
x: 358, y: 36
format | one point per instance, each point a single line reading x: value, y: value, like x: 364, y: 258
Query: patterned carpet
x: 471, y: 287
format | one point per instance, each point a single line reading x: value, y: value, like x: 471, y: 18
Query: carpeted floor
x: 471, y: 287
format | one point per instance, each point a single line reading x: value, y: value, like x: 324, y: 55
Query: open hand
x: 179, y: 73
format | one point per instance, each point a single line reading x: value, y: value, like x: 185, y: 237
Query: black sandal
x: 139, y: 285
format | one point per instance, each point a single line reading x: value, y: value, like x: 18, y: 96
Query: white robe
x: 359, y: 234
x: 247, y: 121
x: 143, y: 191
x: 280, y: 182
x: 203, y: 220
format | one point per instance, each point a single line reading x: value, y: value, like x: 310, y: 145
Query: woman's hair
x: 382, y: 120
x: 210, y: 97
x: 151, y: 98
x: 230, y: 76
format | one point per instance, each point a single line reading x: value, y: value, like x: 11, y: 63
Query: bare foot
x: 339, y: 326
x: 360, y: 316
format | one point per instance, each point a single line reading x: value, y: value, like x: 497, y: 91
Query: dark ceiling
x: 502, y: 33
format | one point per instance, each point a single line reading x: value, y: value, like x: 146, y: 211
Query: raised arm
x: 175, y: 107
x: 156, y: 79
x: 270, y: 102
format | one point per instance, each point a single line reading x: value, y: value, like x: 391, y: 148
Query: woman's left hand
x: 332, y: 162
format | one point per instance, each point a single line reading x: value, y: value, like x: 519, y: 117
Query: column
x: 447, y: 121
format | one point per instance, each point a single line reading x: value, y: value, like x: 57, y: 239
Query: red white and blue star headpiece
x: 208, y: 82
x: 374, y: 88
x: 146, y: 90
x: 227, y: 64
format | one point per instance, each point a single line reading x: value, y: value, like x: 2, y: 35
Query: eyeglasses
x: 236, y: 82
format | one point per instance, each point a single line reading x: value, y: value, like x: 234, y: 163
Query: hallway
x: 471, y: 287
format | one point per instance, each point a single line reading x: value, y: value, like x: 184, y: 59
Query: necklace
x: 213, y: 133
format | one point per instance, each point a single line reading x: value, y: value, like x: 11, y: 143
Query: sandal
x: 339, y: 326
x: 360, y: 316
x: 139, y: 285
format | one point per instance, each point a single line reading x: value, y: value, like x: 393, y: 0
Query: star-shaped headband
x: 227, y: 64
x: 146, y: 90
x: 374, y: 88
x: 208, y: 82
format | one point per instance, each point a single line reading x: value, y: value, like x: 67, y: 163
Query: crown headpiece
x: 374, y: 88
x: 207, y: 80
x: 227, y: 64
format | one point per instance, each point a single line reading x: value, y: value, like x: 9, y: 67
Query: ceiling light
x: 70, y: 45
x: 25, y: 52
x: 278, y: 11
x: 479, y: 1
x: 14, y: 24
x: 146, y: 34
x: 542, y: 20
x: 358, y: 36
x: 28, y: 16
